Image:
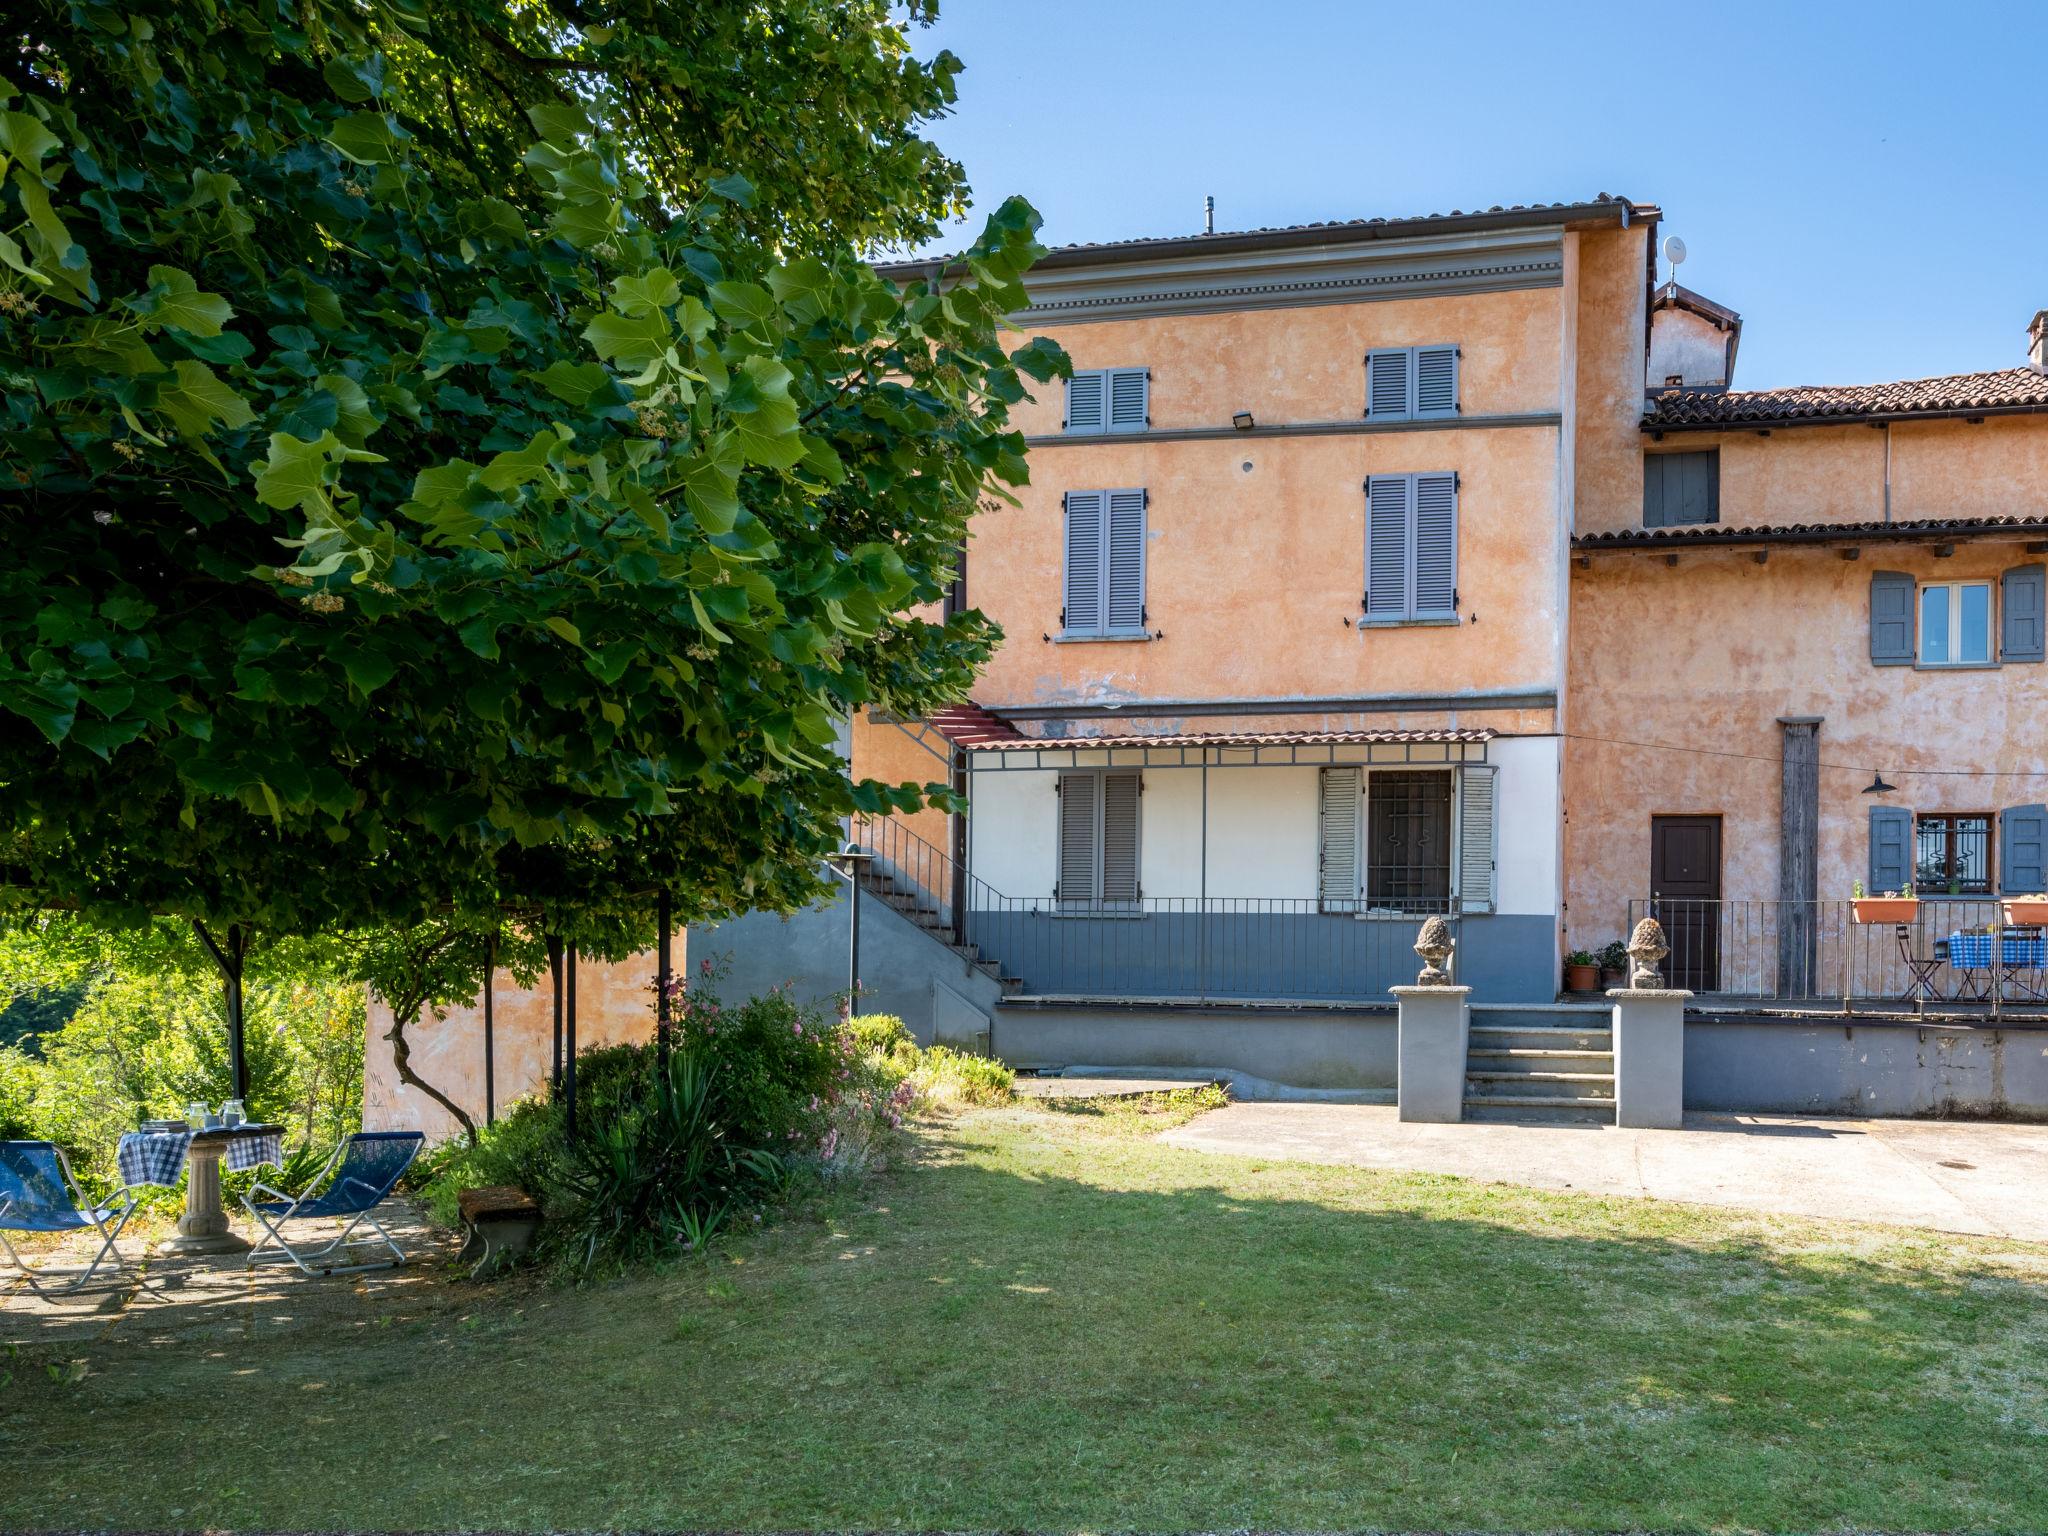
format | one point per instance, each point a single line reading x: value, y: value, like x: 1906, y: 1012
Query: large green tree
x: 456, y: 463
x: 394, y: 533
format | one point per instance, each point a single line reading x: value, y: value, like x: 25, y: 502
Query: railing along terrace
x: 1194, y: 948
x: 1957, y: 954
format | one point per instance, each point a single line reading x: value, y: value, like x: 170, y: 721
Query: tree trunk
x: 401, y: 1058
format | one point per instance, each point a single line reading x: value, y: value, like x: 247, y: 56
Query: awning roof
x: 1017, y: 741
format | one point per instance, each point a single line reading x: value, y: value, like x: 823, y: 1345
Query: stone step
x: 1550, y: 1087
x: 1543, y: 1060
x: 1524, y: 1075
x: 1506, y: 1037
x: 1498, y: 1100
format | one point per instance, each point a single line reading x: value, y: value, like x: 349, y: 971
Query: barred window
x: 1952, y: 855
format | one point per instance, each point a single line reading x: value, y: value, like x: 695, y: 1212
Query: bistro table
x: 154, y: 1157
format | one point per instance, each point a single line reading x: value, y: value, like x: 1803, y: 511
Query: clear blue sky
x: 1867, y: 184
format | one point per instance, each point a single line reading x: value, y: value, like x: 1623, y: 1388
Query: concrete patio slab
x: 1945, y: 1175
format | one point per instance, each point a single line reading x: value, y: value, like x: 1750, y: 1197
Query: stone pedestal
x: 204, y: 1226
x: 1649, y: 1057
x: 1434, y: 1025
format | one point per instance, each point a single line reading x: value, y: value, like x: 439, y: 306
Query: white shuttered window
x: 1098, y: 838
x: 1108, y: 400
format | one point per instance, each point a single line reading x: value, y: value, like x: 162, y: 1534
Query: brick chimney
x: 2037, y: 342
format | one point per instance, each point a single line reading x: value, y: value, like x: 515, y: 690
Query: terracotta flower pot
x: 1610, y: 979
x: 1886, y: 909
x: 2026, y: 911
x: 1581, y: 978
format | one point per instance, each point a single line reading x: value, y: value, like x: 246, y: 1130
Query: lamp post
x: 848, y: 861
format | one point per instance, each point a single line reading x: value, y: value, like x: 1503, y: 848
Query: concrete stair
x: 923, y: 912
x: 1545, y: 1064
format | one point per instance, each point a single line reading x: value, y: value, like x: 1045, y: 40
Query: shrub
x: 879, y: 1034
x: 943, y: 1076
x: 779, y: 1062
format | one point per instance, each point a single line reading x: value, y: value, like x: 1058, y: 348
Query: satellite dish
x: 1674, y: 250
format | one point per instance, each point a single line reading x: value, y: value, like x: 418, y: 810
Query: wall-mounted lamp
x: 1242, y: 420
x: 1877, y: 785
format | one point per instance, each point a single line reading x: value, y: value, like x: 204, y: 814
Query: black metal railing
x: 1954, y: 954
x: 1180, y: 947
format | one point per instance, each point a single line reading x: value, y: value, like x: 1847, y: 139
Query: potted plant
x: 1613, y: 958
x: 1891, y: 907
x: 2026, y: 911
x: 1581, y: 971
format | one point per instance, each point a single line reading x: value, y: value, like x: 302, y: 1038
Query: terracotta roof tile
x: 1019, y: 742
x: 1956, y: 394
x: 970, y: 725
x: 1919, y: 529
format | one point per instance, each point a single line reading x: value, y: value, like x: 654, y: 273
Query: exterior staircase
x: 887, y: 877
x: 1546, y: 1063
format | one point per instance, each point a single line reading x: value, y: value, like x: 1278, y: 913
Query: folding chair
x: 38, y: 1194
x: 357, y: 1178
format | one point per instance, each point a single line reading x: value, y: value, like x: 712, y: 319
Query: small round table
x: 204, y: 1229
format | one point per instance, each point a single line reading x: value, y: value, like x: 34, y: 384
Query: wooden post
x: 1799, y: 853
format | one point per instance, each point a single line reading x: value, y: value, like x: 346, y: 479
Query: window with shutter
x: 1119, y: 880
x: 1337, y: 840
x: 1681, y: 488
x: 1409, y: 383
x: 1108, y: 400
x: 1411, y: 547
x: 1891, y: 849
x: 1087, y: 400
x: 1477, y: 854
x: 1105, y: 564
x: 1080, y: 862
x: 2023, y: 850
x: 1087, y: 519
x: 2023, y: 614
x: 1098, y: 838
x: 1129, y: 403
x: 1891, y: 622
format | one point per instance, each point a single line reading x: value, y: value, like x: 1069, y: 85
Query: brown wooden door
x: 1685, y: 887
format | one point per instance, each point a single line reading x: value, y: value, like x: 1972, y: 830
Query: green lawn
x: 1047, y: 1320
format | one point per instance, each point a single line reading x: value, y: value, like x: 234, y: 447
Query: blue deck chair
x: 361, y: 1173
x: 38, y: 1194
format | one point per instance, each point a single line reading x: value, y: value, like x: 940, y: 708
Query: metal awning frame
x: 1037, y: 756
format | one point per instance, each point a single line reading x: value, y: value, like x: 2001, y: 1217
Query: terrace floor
x: 1944, y: 1175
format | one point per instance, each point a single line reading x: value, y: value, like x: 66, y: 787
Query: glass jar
x: 232, y: 1113
x: 195, y: 1116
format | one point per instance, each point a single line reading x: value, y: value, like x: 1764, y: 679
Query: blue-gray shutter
x: 1891, y: 619
x: 1386, y: 382
x: 1436, y: 381
x: 1086, y: 514
x: 1386, y: 546
x: 1337, y: 840
x: 1124, y: 583
x: 1078, y: 848
x: 1681, y: 488
x: 1435, y: 542
x: 1120, y: 837
x: 1891, y: 850
x: 1087, y: 401
x: 1129, y: 402
x: 1477, y: 843
x: 2023, y: 614
x: 2023, y: 850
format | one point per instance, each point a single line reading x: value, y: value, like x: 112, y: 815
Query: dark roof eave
x: 1672, y: 541
x: 1841, y: 419
x: 1618, y: 211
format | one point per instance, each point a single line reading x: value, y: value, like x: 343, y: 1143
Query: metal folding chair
x: 39, y: 1194
x: 354, y: 1182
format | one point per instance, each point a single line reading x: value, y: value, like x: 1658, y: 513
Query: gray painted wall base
x: 1649, y: 1058
x: 904, y: 970
x: 1304, y: 1048
x: 1853, y: 1068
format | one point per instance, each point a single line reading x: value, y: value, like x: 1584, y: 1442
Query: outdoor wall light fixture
x: 1242, y: 420
x: 1877, y: 785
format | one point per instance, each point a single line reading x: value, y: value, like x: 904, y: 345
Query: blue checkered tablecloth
x: 158, y: 1157
x: 1972, y: 951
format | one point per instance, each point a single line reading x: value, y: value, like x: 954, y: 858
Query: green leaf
x: 24, y: 138
x: 572, y: 383
x: 709, y: 490
x: 646, y: 292
x: 734, y: 189
x: 565, y: 629
x: 176, y: 303
x: 744, y: 304
x: 368, y: 670
x: 632, y: 343
x: 558, y: 123
x: 367, y: 138
x: 199, y: 399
